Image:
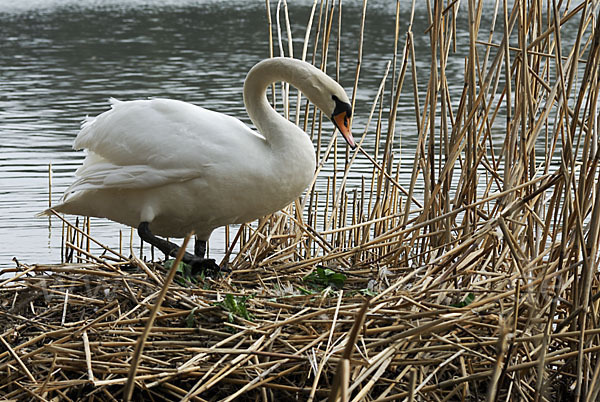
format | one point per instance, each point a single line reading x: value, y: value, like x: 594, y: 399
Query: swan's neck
x: 280, y: 133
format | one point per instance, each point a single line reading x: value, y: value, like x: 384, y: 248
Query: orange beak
x: 342, y: 123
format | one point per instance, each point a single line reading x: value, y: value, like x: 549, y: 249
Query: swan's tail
x: 48, y: 212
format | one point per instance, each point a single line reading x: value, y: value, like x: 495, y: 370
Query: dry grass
x: 484, y: 287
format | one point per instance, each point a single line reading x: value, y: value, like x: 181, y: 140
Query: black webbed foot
x: 206, y: 266
x: 198, y: 263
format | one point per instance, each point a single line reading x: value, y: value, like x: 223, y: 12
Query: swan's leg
x: 200, y: 248
x: 170, y: 249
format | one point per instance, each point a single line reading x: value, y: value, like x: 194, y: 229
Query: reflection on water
x: 62, y: 60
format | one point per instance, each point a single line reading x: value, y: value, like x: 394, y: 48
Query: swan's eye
x: 341, y: 106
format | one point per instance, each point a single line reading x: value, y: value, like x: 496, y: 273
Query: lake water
x: 62, y: 60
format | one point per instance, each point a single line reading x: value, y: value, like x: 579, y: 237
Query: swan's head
x: 331, y: 98
x: 340, y: 116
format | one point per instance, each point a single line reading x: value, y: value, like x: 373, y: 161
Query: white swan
x: 169, y: 167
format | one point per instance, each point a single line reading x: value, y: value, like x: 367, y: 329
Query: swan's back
x: 149, y: 143
x: 160, y: 131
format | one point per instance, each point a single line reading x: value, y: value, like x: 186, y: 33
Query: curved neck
x: 275, y: 128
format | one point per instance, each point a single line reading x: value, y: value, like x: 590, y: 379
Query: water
x: 62, y: 60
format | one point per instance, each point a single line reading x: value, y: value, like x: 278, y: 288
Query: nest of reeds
x: 476, y: 321
x: 484, y: 287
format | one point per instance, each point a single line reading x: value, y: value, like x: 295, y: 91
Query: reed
x: 474, y: 278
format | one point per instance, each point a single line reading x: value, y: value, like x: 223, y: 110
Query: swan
x: 169, y: 167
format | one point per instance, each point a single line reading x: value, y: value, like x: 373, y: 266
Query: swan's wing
x: 98, y: 172
x: 148, y: 143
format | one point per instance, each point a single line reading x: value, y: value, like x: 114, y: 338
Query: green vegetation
x: 325, y: 277
x: 235, y: 306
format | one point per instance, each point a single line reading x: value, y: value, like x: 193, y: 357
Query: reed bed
x: 484, y: 285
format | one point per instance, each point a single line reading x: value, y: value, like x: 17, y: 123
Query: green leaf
x: 325, y: 277
x: 185, y: 272
x: 235, y: 305
x: 368, y: 292
x: 190, y: 320
x: 468, y: 300
x: 305, y: 291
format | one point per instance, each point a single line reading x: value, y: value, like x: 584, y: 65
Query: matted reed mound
x: 476, y: 322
